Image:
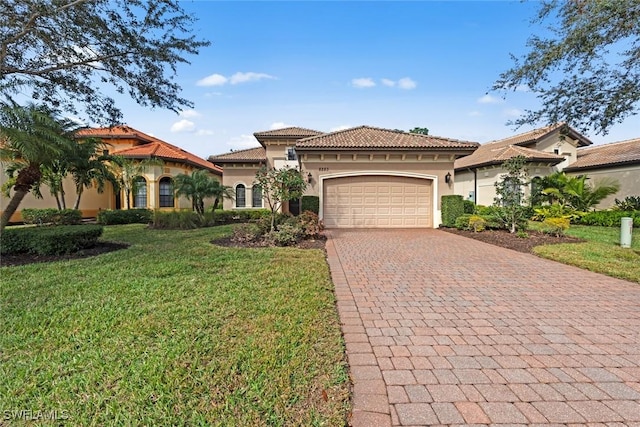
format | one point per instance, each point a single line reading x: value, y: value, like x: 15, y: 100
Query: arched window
x: 240, y: 196
x: 166, y: 193
x: 140, y: 193
x: 256, y: 196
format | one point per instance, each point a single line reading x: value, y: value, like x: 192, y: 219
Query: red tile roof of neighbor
x: 249, y: 155
x: 495, y: 152
x: 150, y: 147
x: 372, y: 138
x: 612, y: 154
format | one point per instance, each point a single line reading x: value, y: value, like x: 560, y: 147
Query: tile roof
x: 372, y: 138
x: 290, y: 132
x: 492, y: 153
x: 615, y: 153
x: 250, y: 155
x: 150, y: 147
x: 535, y: 135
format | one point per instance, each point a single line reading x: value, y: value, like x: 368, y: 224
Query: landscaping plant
x: 510, y: 194
x: 278, y: 186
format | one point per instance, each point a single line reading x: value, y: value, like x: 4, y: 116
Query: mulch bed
x: 228, y: 242
x: 23, y: 259
x: 512, y: 241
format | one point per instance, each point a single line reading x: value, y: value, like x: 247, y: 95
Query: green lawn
x: 600, y: 253
x: 175, y: 331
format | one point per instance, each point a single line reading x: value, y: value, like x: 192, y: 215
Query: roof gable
x: 289, y: 132
x: 150, y: 147
x: 372, y: 138
x: 494, y: 152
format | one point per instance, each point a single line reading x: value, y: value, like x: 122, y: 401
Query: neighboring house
x: 365, y: 177
x: 547, y: 150
x: 156, y: 192
x: 616, y: 160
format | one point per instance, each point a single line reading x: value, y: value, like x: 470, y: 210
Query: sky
x: 331, y: 65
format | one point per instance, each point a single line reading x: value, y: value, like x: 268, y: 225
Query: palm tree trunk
x: 12, y: 206
x: 64, y: 203
x: 55, y: 194
x: 79, y: 191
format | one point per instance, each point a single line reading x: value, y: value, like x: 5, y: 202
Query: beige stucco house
x: 365, y: 177
x: 155, y: 191
x: 617, y: 160
x: 547, y: 150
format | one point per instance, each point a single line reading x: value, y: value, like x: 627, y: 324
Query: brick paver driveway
x: 441, y: 329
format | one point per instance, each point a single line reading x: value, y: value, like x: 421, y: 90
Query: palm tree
x: 89, y: 167
x: 198, y: 186
x: 31, y: 137
x: 582, y: 195
x: 127, y: 173
x: 53, y: 176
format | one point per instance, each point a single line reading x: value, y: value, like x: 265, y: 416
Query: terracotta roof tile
x: 371, y: 138
x: 488, y: 153
x: 250, y: 155
x: 150, y: 147
x: 615, y: 153
x: 290, y: 132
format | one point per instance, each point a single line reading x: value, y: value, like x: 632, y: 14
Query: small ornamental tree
x: 278, y: 186
x: 510, y: 193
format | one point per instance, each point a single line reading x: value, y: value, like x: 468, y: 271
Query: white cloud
x: 279, y: 125
x: 488, y: 99
x: 243, y: 141
x: 189, y: 114
x: 388, y: 82
x: 212, y: 94
x: 248, y: 77
x: 363, y: 82
x: 513, y: 112
x: 475, y: 114
x: 212, y: 80
x: 523, y: 88
x: 406, y: 83
x: 204, y: 132
x: 341, y: 127
x: 183, y: 125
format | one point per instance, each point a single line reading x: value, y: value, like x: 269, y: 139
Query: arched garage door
x: 377, y: 201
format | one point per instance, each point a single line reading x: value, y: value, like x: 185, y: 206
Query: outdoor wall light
x: 447, y: 178
x: 309, y: 178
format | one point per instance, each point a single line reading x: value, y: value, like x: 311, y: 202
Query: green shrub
x: 477, y: 223
x: 63, y: 239
x: 462, y: 222
x: 556, y: 211
x: 235, y: 216
x: 125, y: 216
x: 452, y: 208
x: 310, y: 203
x: 522, y: 234
x: 609, y: 218
x: 176, y: 220
x: 310, y: 224
x: 469, y: 207
x: 556, y: 226
x: 51, y: 216
x: 630, y: 203
x: 285, y: 235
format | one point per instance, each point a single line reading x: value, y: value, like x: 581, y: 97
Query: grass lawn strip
x: 600, y: 253
x: 175, y: 331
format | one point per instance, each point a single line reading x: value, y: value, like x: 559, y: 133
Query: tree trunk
x: 11, y: 208
x: 64, y: 203
x: 57, y: 200
x: 127, y: 193
x: 79, y: 191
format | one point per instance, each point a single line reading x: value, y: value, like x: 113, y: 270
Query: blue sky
x: 330, y: 65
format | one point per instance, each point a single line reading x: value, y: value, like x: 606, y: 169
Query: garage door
x: 377, y: 202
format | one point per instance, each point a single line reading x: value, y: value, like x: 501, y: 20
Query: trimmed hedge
x: 188, y: 220
x: 469, y: 207
x: 310, y: 203
x: 243, y: 215
x: 125, y: 216
x: 609, y: 218
x: 58, y: 240
x: 452, y: 208
x: 51, y: 216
